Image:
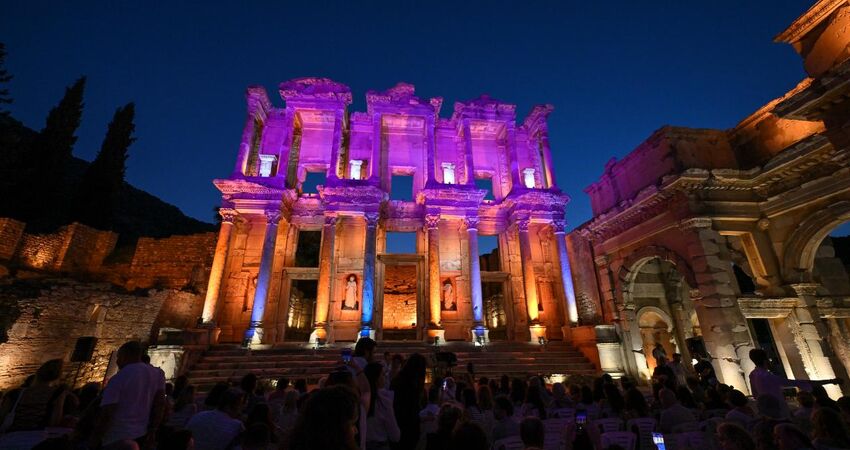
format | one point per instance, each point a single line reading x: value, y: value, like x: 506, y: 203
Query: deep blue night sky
x: 615, y: 72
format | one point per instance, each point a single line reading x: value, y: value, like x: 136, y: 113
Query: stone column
x: 326, y: 264
x: 369, y: 255
x: 529, y: 282
x: 430, y: 150
x: 510, y: 142
x: 559, y: 228
x: 377, y: 164
x: 432, y: 228
x: 254, y: 333
x: 467, y: 153
x: 245, y: 146
x: 219, y: 260
x: 725, y: 332
x: 549, y: 172
x: 812, y: 338
x: 333, y: 172
x: 478, y: 328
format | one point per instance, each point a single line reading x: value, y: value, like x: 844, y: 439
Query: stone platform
x: 230, y: 363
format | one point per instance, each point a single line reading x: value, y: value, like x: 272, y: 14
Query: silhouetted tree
x: 5, y: 77
x: 102, y: 183
x: 43, y: 168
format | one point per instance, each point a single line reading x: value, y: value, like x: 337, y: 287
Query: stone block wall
x: 73, y: 248
x: 174, y: 262
x: 42, y: 320
x: 399, y: 297
x: 11, y: 232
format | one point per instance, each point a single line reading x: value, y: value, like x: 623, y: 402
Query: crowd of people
x: 375, y: 403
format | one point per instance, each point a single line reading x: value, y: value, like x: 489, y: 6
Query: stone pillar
x: 548, y: 171
x: 254, y: 333
x: 369, y: 255
x: 430, y: 150
x: 478, y: 328
x: 219, y: 260
x: 812, y: 338
x: 724, y: 327
x: 559, y: 228
x: 536, y: 329
x: 326, y: 264
x: 510, y: 142
x: 245, y: 146
x: 432, y: 228
x: 333, y: 172
x: 377, y: 164
x: 467, y: 153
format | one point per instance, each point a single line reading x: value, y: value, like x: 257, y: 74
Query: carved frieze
x: 315, y: 89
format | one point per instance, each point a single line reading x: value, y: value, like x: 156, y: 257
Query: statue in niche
x: 250, y: 290
x: 449, y: 303
x: 350, y: 302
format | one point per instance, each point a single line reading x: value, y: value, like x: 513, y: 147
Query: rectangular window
x: 401, y: 242
x: 488, y: 253
x: 307, y: 251
x: 487, y: 185
x: 401, y: 187
x: 312, y: 180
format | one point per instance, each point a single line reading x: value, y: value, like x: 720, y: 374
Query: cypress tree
x: 5, y: 77
x: 102, y: 183
x: 43, y: 200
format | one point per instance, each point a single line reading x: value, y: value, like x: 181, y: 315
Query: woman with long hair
x: 328, y: 421
x: 381, y: 425
x: 409, y: 390
x: 828, y: 430
x: 184, y: 408
x: 533, y: 404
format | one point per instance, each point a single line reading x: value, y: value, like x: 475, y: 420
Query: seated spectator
x: 257, y: 437
x: 39, y: 405
x: 532, y: 432
x: 328, y: 420
x: 470, y: 406
x: 733, y: 437
x: 844, y: 407
x: 176, y: 440
x: 505, y: 425
x: 448, y: 419
x: 560, y: 399
x: 741, y: 413
x: 469, y: 436
x: 288, y: 414
x: 613, y: 404
x: 802, y: 416
x: 184, y: 408
x: 280, y: 389
x: 428, y: 415
x: 828, y: 430
x: 534, y: 406
x: 261, y: 414
x: 300, y: 386
x: 789, y: 437
x: 219, y: 428
x: 672, y: 412
x: 248, y: 384
x: 215, y: 395
x: 635, y: 404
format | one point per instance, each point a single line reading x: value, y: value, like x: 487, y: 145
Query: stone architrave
x: 228, y: 215
x: 432, y: 227
x: 369, y: 256
x: 254, y: 333
x: 320, y: 326
x: 725, y: 332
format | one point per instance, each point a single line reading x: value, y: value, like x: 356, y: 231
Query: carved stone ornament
x: 228, y: 215
x: 272, y: 216
x: 522, y: 224
x: 471, y: 223
x: 559, y: 226
x: 331, y: 219
x: 432, y: 221
x: 372, y: 219
x: 695, y: 223
x: 314, y: 89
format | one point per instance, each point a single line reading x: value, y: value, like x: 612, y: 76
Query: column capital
x: 694, y: 294
x: 807, y: 289
x: 559, y: 226
x: 228, y: 215
x: 272, y: 216
x: 601, y: 260
x: 432, y: 221
x: 331, y: 219
x: 522, y: 224
x: 471, y: 222
x: 695, y: 223
x: 372, y: 219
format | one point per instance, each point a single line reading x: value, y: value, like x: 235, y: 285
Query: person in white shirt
x: 133, y: 402
x: 764, y: 382
x: 381, y: 425
x: 219, y: 428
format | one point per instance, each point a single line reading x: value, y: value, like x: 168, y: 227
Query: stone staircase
x: 229, y: 362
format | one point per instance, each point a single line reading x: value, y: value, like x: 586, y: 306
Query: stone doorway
x: 495, y: 318
x: 302, y: 306
x: 401, y: 294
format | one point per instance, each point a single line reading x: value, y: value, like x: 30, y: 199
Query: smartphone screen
x: 346, y: 354
x: 658, y: 440
x: 445, y: 385
x: 581, y: 418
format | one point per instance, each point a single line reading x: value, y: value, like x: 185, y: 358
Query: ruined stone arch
x: 632, y: 264
x: 657, y: 311
x: 799, y: 254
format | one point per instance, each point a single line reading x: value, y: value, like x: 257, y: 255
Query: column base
x: 536, y: 332
x: 254, y: 338
x: 320, y: 333
x: 436, y: 333
x: 480, y: 335
x: 366, y: 331
x: 567, y: 331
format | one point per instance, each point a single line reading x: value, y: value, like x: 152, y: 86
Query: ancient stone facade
x: 259, y: 280
x: 716, y: 238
